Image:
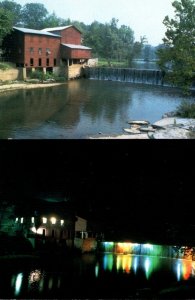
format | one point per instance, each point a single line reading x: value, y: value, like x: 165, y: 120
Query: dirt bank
x: 26, y: 85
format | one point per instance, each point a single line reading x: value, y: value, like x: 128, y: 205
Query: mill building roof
x: 60, y: 28
x: 33, y: 31
x: 72, y: 46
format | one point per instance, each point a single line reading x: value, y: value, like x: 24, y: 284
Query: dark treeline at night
x: 109, y: 41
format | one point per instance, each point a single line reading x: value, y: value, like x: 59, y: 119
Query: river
x: 106, y: 276
x: 81, y: 109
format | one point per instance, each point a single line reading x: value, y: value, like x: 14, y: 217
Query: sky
x: 144, y: 17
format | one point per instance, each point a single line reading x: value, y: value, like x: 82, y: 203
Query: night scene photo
x: 97, y: 129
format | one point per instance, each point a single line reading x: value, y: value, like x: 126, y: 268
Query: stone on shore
x: 133, y: 122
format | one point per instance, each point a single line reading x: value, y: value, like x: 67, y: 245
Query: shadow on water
x: 81, y: 108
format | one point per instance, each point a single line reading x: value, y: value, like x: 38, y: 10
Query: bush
x: 46, y: 77
x: 186, y: 110
x: 60, y: 79
x: 4, y: 66
x: 37, y: 75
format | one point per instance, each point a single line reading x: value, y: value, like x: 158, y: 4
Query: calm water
x: 82, y: 108
x: 107, y: 276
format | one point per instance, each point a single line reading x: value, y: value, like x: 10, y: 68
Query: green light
x: 97, y: 267
x: 109, y: 246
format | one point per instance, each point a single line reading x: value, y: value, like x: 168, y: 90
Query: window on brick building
x: 31, y: 62
x: 31, y: 50
x: 40, y: 51
x: 47, y: 62
x: 48, y: 51
x: 40, y: 62
x: 54, y: 62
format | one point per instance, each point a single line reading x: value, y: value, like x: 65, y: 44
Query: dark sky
x: 106, y: 180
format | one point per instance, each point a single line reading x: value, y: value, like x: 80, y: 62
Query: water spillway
x: 152, y: 77
x: 147, y: 249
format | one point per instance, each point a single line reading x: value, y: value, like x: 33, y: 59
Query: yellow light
x: 44, y: 220
x: 53, y: 220
x: 33, y: 229
x: 40, y: 231
x: 34, y: 276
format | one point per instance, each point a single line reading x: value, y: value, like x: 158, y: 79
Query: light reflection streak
x: 108, y: 262
x: 135, y: 264
x: 18, y: 284
x: 50, y: 283
x: 97, y: 267
x: 147, y: 265
x: 178, y: 271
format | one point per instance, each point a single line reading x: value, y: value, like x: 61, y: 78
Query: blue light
x: 178, y: 272
x: 135, y: 264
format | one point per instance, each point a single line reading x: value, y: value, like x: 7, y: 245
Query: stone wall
x: 75, y: 71
x: 11, y: 74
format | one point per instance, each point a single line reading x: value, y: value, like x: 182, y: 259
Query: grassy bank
x: 186, y: 110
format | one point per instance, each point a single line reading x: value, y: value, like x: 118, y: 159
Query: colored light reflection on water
x: 136, y: 270
x: 97, y: 268
x: 151, y: 264
x: 108, y: 262
x: 126, y: 263
x: 18, y: 284
x: 184, y: 269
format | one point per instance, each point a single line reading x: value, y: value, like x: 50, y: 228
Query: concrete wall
x: 93, y: 62
x: 75, y: 71
x: 11, y: 74
x: 59, y: 71
x: 86, y: 245
x: 89, y: 245
x: 81, y: 224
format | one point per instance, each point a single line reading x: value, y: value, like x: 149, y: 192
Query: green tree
x: 14, y: 9
x: 52, y: 21
x: 136, y: 50
x: 147, y: 52
x: 34, y: 15
x: 6, y: 21
x: 108, y: 40
x: 178, y: 53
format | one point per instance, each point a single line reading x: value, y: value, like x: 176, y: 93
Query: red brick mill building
x: 58, y: 50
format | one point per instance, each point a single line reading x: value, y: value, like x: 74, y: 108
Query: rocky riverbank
x: 166, y: 128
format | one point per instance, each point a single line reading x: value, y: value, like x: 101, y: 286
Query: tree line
x: 108, y: 41
x: 113, y: 42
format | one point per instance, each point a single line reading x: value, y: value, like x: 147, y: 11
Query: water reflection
x: 18, y: 284
x: 183, y: 269
x: 91, y: 273
x: 81, y: 108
